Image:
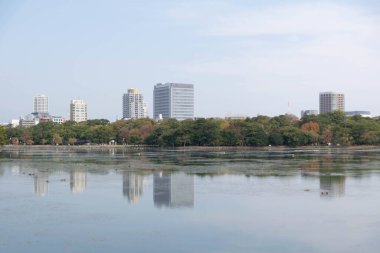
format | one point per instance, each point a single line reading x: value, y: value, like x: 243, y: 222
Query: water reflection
x: 332, y: 185
x: 78, y: 181
x: 173, y: 190
x: 41, y: 183
x: 133, y: 186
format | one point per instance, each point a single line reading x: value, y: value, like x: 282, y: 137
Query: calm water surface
x: 314, y: 200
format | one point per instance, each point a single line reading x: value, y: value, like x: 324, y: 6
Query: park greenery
x: 3, y: 138
x: 284, y: 130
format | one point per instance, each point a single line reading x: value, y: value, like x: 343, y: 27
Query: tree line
x: 284, y: 130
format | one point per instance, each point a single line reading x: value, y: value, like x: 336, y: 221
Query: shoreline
x: 11, y: 148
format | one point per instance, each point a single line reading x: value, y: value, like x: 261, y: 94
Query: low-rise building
x: 29, y: 120
x: 309, y: 112
x: 235, y: 116
x: 57, y: 119
x: 361, y: 113
x: 15, y: 122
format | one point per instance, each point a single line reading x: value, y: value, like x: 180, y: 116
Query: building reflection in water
x: 133, y: 186
x: 332, y: 185
x: 78, y: 181
x: 173, y: 190
x: 41, y: 183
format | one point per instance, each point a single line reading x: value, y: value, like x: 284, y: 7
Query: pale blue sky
x: 244, y: 57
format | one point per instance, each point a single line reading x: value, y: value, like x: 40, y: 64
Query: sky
x: 248, y: 57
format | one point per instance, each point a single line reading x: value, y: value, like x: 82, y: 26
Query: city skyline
x: 329, y: 101
x: 237, y: 66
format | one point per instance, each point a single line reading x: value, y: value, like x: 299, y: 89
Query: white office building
x: 331, y: 101
x: 78, y: 110
x: 57, y: 119
x: 173, y: 100
x: 28, y: 121
x: 40, y: 104
x: 133, y: 104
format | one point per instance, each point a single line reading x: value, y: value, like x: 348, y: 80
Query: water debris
x: 307, y: 190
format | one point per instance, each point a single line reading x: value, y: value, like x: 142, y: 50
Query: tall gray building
x: 133, y: 105
x: 40, y: 104
x: 173, y: 100
x: 331, y: 101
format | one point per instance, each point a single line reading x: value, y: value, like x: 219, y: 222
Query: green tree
x: 72, y: 141
x: 102, y: 134
x: 3, y: 137
x: 135, y: 139
x: 276, y: 139
x: 183, y: 132
x: 42, y: 133
x: 229, y: 138
x: 294, y: 137
x: 206, y: 132
x: 255, y: 135
x: 98, y: 122
x: 57, y: 139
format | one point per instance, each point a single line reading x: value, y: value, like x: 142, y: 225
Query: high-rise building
x: 78, y: 110
x: 331, y: 101
x: 173, y: 100
x: 40, y: 104
x: 145, y: 105
x: 133, y: 104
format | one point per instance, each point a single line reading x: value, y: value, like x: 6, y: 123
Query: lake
x: 158, y: 200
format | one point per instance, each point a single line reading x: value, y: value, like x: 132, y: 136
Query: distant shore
x: 10, y: 148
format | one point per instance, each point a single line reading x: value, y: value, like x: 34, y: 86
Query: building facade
x: 57, y: 119
x: 28, y: 121
x: 173, y: 100
x: 331, y: 101
x: 366, y: 114
x: 308, y: 112
x: 78, y: 110
x: 133, y: 104
x: 40, y: 104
